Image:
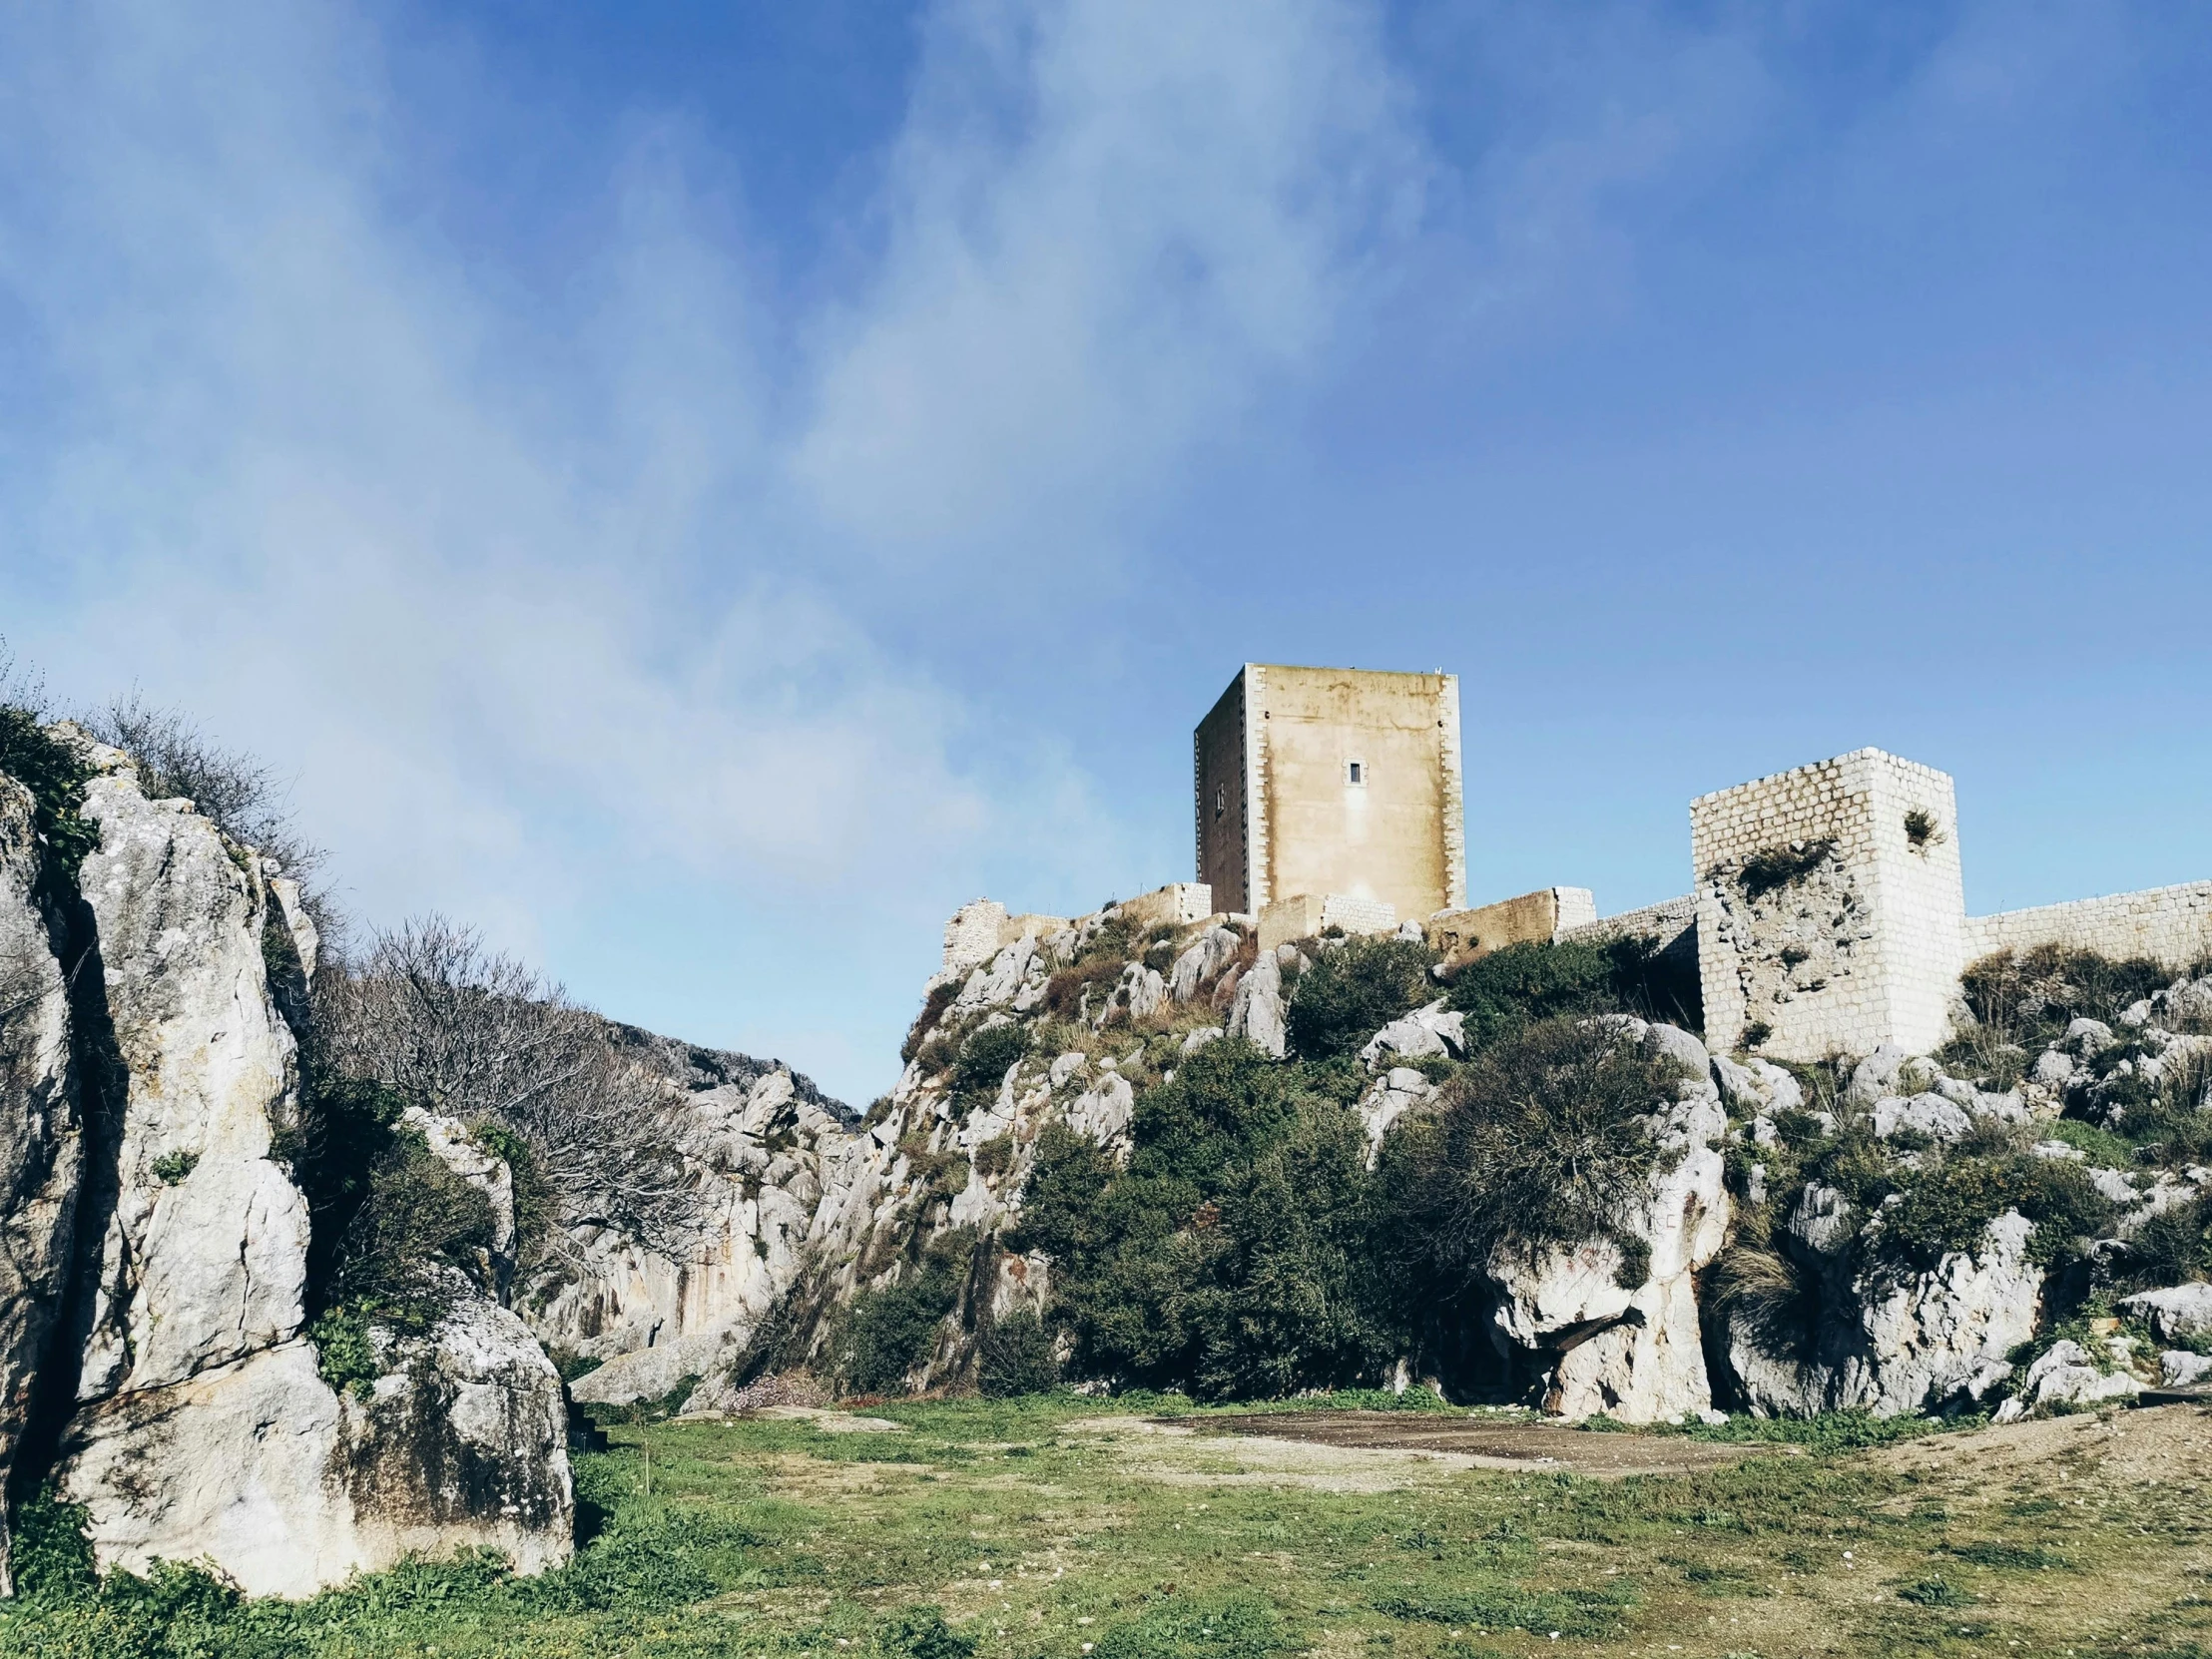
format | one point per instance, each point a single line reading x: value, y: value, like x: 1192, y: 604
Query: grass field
x: 1058, y: 1528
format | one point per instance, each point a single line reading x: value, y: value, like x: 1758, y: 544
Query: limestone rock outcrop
x: 762, y: 1145
x: 40, y: 1130
x: 193, y: 1421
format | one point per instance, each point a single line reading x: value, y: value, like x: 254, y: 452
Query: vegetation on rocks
x: 1545, y: 1137
x: 1233, y: 1255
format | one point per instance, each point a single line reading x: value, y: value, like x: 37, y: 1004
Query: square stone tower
x: 1831, y: 916
x: 1314, y: 781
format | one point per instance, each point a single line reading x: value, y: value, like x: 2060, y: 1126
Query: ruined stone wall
x: 1541, y: 916
x: 1665, y: 921
x: 1830, y: 912
x: 2171, y: 926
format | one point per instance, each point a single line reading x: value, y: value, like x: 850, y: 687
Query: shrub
x: 986, y: 1058
x: 932, y: 1010
x: 1948, y: 1208
x: 891, y: 1330
x: 1541, y: 1138
x: 1353, y: 991
x: 54, y: 775
x: 2171, y: 1248
x: 649, y: 1560
x: 2029, y: 998
x: 1015, y: 1356
x: 1233, y: 1258
x: 1228, y: 1627
x: 1524, y: 983
x: 389, y: 1225
x: 921, y: 1633
x: 51, y: 1556
x: 995, y: 1155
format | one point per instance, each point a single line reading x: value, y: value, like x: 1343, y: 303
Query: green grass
x: 1015, y: 1529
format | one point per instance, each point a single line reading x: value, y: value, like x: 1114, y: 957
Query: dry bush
x: 433, y: 1013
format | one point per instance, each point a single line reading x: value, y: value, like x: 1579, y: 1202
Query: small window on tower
x: 1356, y: 771
x: 1221, y: 802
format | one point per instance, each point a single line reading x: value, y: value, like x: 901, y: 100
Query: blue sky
x: 702, y: 491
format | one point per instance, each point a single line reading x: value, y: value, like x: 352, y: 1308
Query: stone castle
x: 1828, y: 914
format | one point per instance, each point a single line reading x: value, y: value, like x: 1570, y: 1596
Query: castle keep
x: 1337, y: 782
x: 1828, y: 914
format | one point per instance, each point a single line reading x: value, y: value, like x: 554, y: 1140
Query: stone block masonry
x: 1313, y: 781
x: 1831, y: 910
x: 1543, y: 916
x: 2170, y: 926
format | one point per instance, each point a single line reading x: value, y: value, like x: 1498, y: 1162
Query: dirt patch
x: 830, y: 1422
x: 2158, y: 1444
x: 1517, y: 1445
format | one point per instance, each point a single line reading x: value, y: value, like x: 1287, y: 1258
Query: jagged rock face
x: 1891, y: 1341
x: 203, y: 1430
x: 1632, y: 1351
x: 203, y: 1258
x: 762, y: 1152
x: 39, y: 1131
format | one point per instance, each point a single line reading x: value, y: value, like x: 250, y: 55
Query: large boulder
x: 204, y: 1430
x: 288, y: 1485
x: 2066, y: 1375
x: 2175, y: 1313
x: 204, y: 1238
x: 40, y: 1132
x: 1258, y: 1011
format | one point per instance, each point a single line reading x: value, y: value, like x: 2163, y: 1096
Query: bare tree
x: 433, y: 1013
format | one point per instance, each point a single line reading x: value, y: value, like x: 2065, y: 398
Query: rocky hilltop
x: 1887, y: 1231
x: 299, y: 1251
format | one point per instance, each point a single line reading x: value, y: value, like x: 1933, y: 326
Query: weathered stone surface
x: 454, y: 1147
x: 259, y: 1466
x: 1104, y: 1110
x: 1631, y: 1352
x: 1388, y: 1098
x: 761, y: 1152
x: 1202, y: 962
x: 1258, y: 1011
x: 2177, y: 1312
x: 1424, y: 1031
x: 1894, y: 1341
x: 204, y: 1431
x: 2066, y: 1375
x: 1923, y: 1114
x: 40, y: 1132
x: 2180, y: 1368
x: 204, y: 1256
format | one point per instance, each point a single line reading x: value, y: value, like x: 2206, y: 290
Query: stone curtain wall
x: 2171, y: 926
x: 1821, y: 916
x: 1666, y: 921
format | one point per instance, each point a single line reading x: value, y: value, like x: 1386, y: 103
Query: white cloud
x: 1110, y: 226
x: 517, y: 593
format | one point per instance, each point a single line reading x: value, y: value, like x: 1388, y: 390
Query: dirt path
x: 1369, y: 1451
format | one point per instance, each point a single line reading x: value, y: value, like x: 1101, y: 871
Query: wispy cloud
x: 1109, y: 228
x: 513, y: 588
